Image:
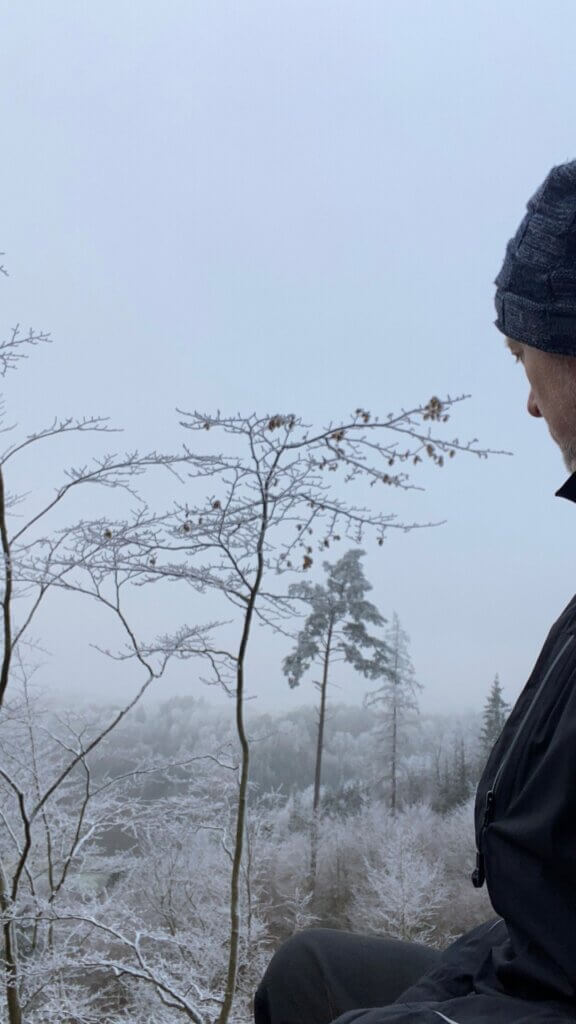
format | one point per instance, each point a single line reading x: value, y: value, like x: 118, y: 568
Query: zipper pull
x: 478, y: 875
x: 488, y: 808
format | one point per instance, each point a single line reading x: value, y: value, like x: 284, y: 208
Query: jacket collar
x: 568, y: 489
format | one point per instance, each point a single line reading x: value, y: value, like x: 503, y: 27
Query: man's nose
x: 532, y: 405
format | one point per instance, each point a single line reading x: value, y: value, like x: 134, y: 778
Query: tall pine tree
x: 495, y: 714
x: 335, y: 630
x: 396, y: 699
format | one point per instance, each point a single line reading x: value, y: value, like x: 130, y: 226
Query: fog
x: 294, y: 207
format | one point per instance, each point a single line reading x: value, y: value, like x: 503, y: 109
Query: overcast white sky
x: 300, y: 206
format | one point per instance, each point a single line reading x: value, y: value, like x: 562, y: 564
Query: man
x: 521, y: 966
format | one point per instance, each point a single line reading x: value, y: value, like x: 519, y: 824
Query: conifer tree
x: 495, y: 714
x: 334, y: 630
x: 462, y: 780
x: 454, y: 782
x: 396, y: 698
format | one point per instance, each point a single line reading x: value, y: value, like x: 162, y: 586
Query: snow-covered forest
x: 122, y: 911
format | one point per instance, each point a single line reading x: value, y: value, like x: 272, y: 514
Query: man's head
x: 536, y: 304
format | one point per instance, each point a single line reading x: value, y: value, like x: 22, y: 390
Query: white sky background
x: 298, y: 206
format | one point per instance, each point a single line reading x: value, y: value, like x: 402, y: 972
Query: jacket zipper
x: 479, y: 873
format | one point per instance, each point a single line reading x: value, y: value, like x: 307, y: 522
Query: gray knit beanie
x: 536, y: 288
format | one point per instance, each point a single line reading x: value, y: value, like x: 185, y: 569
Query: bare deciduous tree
x: 40, y: 556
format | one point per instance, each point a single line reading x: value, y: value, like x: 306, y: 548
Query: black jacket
x: 521, y: 967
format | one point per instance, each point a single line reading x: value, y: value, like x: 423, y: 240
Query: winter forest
x: 152, y: 856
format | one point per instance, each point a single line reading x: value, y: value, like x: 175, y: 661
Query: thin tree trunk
x: 7, y: 596
x: 10, y: 956
x: 394, y: 754
x: 240, y: 826
x: 318, y: 767
x: 10, y: 941
x: 394, y: 763
x: 235, y: 880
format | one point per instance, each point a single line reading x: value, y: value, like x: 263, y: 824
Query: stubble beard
x: 564, y: 396
x: 568, y: 450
